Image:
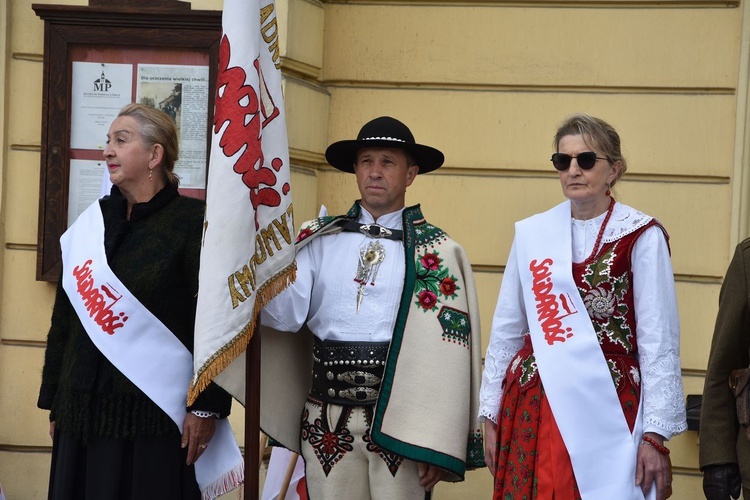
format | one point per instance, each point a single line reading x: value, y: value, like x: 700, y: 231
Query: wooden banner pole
x: 252, y: 416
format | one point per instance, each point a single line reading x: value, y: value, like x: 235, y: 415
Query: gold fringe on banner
x: 234, y: 348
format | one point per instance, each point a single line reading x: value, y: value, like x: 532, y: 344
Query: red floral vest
x: 605, y: 284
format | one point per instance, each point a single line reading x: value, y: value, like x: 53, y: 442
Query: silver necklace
x: 370, y: 258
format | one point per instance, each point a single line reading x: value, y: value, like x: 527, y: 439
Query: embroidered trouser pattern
x: 341, y: 461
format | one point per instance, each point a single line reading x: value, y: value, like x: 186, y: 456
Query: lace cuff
x: 663, y: 402
x: 495, y: 366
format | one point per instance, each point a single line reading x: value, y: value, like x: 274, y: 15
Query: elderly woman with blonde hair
x: 582, y: 382
x: 140, y: 249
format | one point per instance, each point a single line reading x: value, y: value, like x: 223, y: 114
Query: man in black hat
x: 389, y: 299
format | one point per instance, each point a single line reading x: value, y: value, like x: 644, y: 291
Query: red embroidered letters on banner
x: 246, y: 114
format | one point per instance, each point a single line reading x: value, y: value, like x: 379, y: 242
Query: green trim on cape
x: 411, y: 216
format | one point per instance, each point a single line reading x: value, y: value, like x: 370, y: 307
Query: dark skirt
x: 115, y: 469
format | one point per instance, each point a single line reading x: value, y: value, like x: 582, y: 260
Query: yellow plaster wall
x: 529, y: 46
x: 487, y: 83
x: 512, y: 129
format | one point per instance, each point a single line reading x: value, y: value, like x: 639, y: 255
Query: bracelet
x: 652, y: 442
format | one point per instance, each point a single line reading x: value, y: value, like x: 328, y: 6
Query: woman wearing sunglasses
x: 582, y: 382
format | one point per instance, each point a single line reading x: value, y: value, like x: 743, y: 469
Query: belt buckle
x: 379, y: 231
x: 355, y: 378
x: 356, y: 394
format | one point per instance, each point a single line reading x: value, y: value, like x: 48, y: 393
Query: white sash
x: 576, y: 378
x: 139, y: 345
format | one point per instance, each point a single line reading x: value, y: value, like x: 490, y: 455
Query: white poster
x: 182, y: 93
x: 85, y: 186
x: 99, y: 91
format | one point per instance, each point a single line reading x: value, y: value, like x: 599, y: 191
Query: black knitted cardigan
x: 156, y: 256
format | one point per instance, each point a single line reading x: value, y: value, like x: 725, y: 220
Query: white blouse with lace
x: 657, y: 323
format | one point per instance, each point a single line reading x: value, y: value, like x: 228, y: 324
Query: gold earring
x: 150, y: 174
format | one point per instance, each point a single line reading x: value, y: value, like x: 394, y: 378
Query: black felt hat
x: 383, y: 132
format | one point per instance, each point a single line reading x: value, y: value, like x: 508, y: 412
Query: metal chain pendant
x: 370, y: 258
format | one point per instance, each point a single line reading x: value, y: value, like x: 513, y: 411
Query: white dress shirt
x: 325, y: 293
x: 657, y: 324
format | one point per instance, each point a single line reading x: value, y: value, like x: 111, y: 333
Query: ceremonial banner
x: 248, y: 242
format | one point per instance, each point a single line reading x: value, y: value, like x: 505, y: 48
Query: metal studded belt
x: 348, y: 373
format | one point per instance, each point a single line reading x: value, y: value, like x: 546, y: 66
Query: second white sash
x: 577, y: 380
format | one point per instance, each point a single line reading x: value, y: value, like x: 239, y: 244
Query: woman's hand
x: 490, y: 442
x: 653, y: 469
x: 196, y: 435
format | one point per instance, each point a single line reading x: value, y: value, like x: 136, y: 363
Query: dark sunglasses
x: 586, y: 160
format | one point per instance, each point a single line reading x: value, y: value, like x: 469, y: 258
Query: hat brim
x: 343, y: 154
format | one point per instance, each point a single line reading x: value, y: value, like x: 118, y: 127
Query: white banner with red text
x: 247, y: 256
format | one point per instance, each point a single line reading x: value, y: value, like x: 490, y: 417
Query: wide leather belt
x: 348, y: 373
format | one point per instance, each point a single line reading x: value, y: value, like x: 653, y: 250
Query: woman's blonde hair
x: 157, y: 127
x: 596, y: 133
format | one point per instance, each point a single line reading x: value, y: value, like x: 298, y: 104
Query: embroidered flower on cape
x: 304, y: 233
x: 430, y: 261
x: 434, y: 283
x: 427, y: 299
x: 312, y: 226
x: 448, y: 286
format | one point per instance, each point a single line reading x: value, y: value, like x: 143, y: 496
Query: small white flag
x: 285, y: 467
